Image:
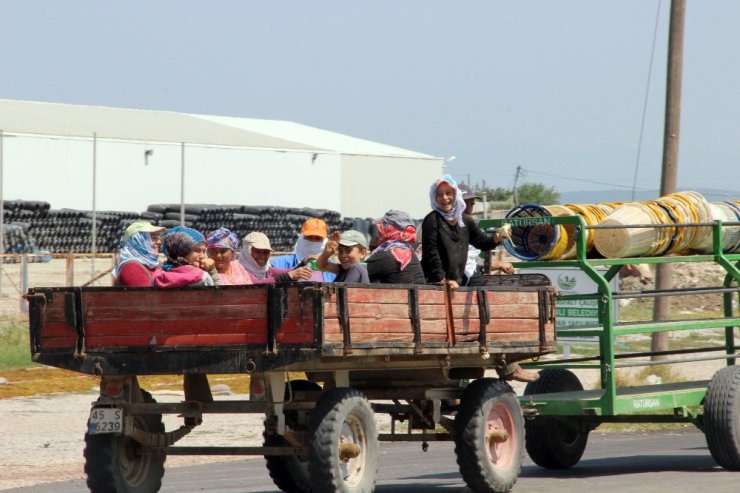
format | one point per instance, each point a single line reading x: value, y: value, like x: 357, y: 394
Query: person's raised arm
x: 322, y: 262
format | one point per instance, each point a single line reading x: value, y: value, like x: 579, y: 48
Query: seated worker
x: 309, y: 245
x: 473, y: 275
x: 138, y: 259
x: 222, y: 245
x: 350, y: 248
x: 255, y: 258
x: 186, y: 263
x: 393, y: 260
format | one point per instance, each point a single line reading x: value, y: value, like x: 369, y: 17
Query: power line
x: 645, y: 102
x: 581, y: 179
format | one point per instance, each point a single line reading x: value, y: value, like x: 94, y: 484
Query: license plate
x: 105, y: 420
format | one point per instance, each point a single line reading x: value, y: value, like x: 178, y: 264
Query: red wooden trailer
x: 404, y: 350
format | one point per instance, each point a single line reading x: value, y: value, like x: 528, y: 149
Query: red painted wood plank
x: 58, y: 343
x: 246, y: 295
x: 181, y: 327
x: 294, y: 338
x: 161, y: 313
x: 58, y: 329
x: 393, y: 296
x: 514, y: 325
x: 171, y: 341
x: 512, y: 297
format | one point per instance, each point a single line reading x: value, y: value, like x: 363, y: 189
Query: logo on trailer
x: 566, y: 282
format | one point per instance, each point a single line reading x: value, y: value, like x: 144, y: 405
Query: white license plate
x: 105, y: 420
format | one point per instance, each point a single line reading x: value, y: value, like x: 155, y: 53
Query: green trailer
x: 560, y: 413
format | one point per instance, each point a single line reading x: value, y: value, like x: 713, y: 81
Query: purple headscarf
x: 222, y: 238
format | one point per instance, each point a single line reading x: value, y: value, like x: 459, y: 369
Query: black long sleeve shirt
x: 444, y: 247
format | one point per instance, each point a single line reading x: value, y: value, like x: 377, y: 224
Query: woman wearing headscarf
x: 138, y: 259
x: 186, y: 263
x: 255, y: 258
x: 222, y: 246
x: 446, y: 234
x: 393, y: 260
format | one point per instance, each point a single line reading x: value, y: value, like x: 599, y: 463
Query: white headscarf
x: 457, y: 211
x: 251, y: 264
x: 305, y: 249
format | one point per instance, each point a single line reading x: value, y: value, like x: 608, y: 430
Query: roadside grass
x: 15, y: 349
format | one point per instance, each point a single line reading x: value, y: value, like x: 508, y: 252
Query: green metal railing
x: 610, y: 402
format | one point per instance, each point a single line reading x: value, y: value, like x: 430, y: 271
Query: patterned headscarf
x: 139, y: 248
x: 222, y: 238
x: 457, y: 211
x: 178, y: 243
x: 397, y: 233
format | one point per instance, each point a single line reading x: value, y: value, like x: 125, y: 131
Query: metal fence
x: 18, y: 272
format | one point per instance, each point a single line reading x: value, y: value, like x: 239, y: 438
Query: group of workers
x: 450, y: 243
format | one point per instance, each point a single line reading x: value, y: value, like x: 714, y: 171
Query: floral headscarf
x: 222, y: 238
x: 178, y: 243
x: 139, y: 248
x: 397, y: 233
x: 457, y: 211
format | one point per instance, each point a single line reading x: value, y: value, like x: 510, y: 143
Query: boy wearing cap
x: 350, y: 248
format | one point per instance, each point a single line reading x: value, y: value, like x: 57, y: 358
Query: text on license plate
x: 105, y: 420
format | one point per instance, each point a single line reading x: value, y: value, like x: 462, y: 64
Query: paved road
x: 646, y: 462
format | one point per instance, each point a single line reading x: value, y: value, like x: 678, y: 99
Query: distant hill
x: 596, y: 196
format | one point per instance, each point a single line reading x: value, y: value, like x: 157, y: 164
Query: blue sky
x: 556, y: 87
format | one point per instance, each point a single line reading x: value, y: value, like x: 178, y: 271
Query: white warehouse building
x: 51, y: 152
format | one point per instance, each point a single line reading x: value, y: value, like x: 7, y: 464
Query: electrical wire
x: 581, y: 179
x: 645, y: 102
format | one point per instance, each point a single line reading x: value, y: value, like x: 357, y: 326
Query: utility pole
x: 516, y: 179
x: 664, y: 272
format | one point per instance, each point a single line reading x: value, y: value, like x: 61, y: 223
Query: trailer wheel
x: 343, y: 451
x: 115, y: 462
x: 489, y: 436
x: 551, y: 443
x: 722, y: 417
x: 289, y: 472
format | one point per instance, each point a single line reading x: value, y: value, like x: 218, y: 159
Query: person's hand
x: 504, y: 232
x: 505, y: 267
x: 301, y: 273
x: 332, y: 244
x: 207, y: 264
x: 449, y: 282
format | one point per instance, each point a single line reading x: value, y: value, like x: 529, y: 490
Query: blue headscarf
x: 178, y: 243
x: 139, y: 248
x: 457, y: 211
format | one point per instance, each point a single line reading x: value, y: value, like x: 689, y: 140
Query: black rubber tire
x: 489, y: 404
x: 112, y: 462
x: 343, y: 414
x: 290, y: 473
x: 722, y: 417
x: 550, y: 442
